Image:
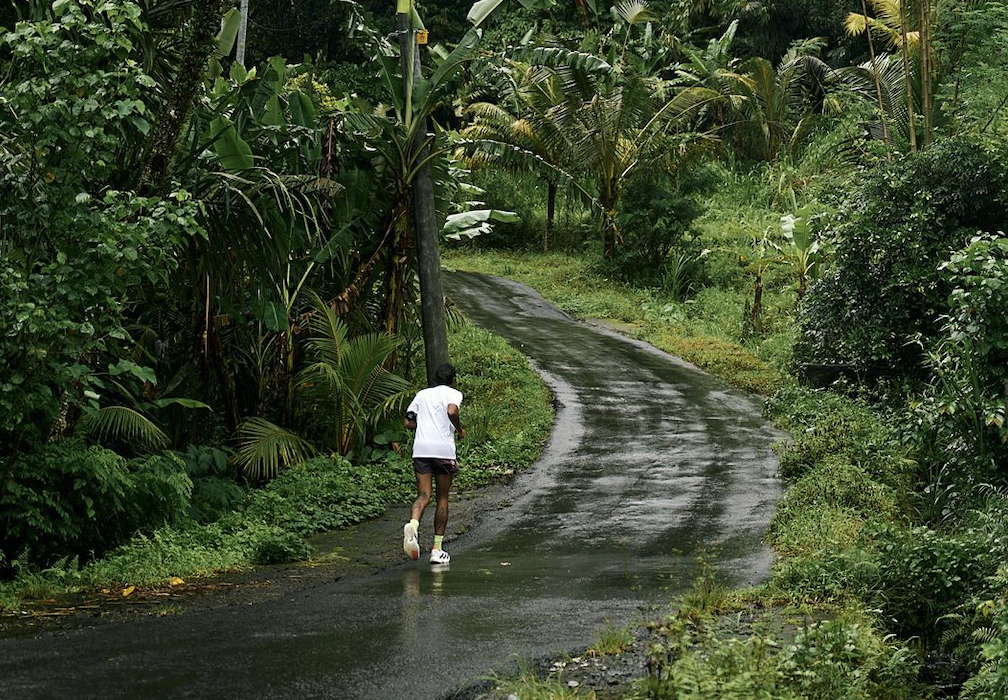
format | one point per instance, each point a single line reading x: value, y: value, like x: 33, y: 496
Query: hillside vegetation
x: 210, y: 283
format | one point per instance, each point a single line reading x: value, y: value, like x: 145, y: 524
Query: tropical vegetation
x: 219, y: 244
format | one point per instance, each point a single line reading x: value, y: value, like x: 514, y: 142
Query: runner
x: 434, y: 415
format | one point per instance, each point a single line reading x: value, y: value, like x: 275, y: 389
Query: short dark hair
x: 444, y: 374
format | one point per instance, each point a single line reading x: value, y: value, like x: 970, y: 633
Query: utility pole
x: 432, y: 310
x: 242, y: 30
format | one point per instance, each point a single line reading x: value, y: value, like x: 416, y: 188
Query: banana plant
x: 802, y: 253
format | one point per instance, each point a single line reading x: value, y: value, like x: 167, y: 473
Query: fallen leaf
x: 175, y: 581
x: 128, y: 590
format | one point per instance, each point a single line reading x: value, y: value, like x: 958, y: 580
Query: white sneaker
x: 439, y: 556
x: 410, y: 544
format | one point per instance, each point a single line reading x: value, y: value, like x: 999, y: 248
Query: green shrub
x: 281, y: 548
x: 834, y: 574
x: 828, y: 504
x: 990, y: 633
x: 964, y: 409
x: 826, y: 425
x: 886, y: 288
x: 834, y: 659
x: 70, y: 500
x: 925, y: 574
x: 796, y: 531
x: 654, y: 219
x: 320, y: 494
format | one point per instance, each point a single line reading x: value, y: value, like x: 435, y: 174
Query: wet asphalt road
x: 653, y: 467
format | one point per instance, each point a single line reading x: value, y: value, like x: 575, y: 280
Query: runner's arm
x: 453, y: 416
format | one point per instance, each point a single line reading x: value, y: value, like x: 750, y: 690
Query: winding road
x: 654, y: 469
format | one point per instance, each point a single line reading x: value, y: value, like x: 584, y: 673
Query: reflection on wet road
x: 652, y: 468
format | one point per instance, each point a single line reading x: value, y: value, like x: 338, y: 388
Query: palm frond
x: 264, y: 448
x: 557, y: 57
x: 127, y: 425
x: 347, y: 380
x: 634, y: 11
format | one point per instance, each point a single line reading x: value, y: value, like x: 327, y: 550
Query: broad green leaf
x: 232, y: 150
x: 274, y: 316
x: 184, y: 403
x: 276, y: 73
x: 302, y: 109
x: 230, y: 23
x: 465, y: 51
x: 471, y: 224
x: 124, y: 366
x: 273, y: 112
x: 238, y: 73
x: 483, y: 9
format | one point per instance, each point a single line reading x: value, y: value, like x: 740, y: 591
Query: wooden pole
x: 432, y: 308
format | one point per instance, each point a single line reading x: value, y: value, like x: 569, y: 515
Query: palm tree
x: 716, y: 69
x: 785, y: 102
x: 601, y: 115
x: 893, y: 23
x: 518, y: 133
x: 346, y: 381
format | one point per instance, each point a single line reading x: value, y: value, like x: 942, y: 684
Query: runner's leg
x: 423, y: 484
x: 444, y: 482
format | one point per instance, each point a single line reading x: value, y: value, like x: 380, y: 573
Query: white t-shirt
x: 435, y: 434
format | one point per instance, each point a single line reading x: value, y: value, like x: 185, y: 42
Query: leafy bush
x: 990, y: 682
x: 320, y: 494
x: 838, y: 573
x: 654, y: 219
x: 74, y: 251
x: 281, y: 548
x: 885, y: 288
x: 833, y: 659
x: 965, y: 405
x: 925, y: 574
x: 835, y: 484
x: 827, y: 425
x: 70, y: 500
x: 215, y: 491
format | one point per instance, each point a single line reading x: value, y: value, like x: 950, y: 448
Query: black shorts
x: 435, y: 465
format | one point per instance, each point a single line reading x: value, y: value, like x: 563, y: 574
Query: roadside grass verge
x: 228, y: 527
x: 820, y: 627
x: 705, y: 331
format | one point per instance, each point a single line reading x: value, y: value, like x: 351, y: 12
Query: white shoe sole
x: 410, y: 545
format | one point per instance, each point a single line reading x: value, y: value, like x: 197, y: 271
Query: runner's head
x: 445, y: 374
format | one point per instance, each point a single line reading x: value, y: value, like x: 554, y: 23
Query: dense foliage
x: 888, y: 290
x: 208, y: 283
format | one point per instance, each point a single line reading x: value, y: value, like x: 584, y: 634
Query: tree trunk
x: 756, y: 313
x: 908, y: 79
x: 608, y: 200
x: 925, y: 71
x: 395, y: 273
x: 203, y: 25
x: 960, y: 52
x: 551, y: 193
x: 878, y: 84
x: 432, y: 313
x: 217, y: 360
